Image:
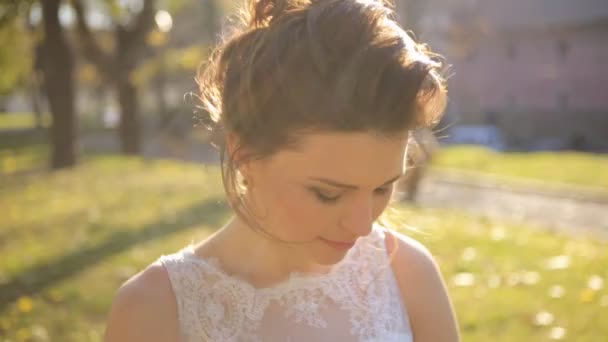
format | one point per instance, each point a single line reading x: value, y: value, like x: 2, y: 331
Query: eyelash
x: 330, y: 200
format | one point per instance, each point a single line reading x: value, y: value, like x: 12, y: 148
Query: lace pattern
x: 360, y: 290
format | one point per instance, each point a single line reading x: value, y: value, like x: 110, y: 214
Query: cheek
x: 380, y: 205
x: 297, y: 216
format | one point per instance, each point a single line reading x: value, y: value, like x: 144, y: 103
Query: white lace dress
x: 358, y: 300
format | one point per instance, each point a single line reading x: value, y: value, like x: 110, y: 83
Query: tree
x: 118, y: 66
x: 58, y: 71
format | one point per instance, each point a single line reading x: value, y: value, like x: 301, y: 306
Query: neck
x: 256, y: 257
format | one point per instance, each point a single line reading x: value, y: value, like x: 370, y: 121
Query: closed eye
x: 382, y: 191
x: 325, y: 198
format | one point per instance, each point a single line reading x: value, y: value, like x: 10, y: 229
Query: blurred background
x: 103, y: 166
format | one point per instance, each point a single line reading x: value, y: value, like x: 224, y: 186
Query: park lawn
x: 23, y: 152
x: 586, y: 170
x: 22, y: 120
x: 586, y: 173
x: 70, y: 238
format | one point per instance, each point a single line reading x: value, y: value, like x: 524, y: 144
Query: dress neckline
x: 294, y: 279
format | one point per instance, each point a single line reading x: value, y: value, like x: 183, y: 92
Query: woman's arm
x: 423, y: 290
x: 144, y: 309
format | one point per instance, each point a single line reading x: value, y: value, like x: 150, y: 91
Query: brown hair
x: 297, y: 66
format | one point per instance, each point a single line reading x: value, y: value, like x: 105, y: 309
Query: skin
x: 296, y: 198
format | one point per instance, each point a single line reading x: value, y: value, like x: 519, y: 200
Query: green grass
x: 27, y: 150
x: 61, y: 233
x: 499, y: 276
x: 22, y: 120
x: 568, y: 168
x: 23, y: 151
x: 70, y: 238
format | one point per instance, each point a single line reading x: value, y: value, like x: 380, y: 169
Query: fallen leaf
x: 25, y: 304
x: 587, y: 295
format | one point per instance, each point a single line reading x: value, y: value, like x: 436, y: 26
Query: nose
x: 358, y: 218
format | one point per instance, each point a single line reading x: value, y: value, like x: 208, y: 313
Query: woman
x: 310, y: 103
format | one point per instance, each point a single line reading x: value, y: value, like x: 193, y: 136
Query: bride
x: 311, y: 104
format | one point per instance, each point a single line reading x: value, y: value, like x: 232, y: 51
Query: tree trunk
x: 100, y: 103
x: 35, y: 99
x: 129, y: 129
x: 58, y: 69
x: 130, y: 42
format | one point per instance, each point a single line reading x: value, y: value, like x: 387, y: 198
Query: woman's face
x: 328, y: 192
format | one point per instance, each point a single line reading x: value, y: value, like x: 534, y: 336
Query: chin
x: 328, y: 257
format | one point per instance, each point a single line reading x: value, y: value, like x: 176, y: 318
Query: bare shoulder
x: 144, y: 308
x: 423, y: 290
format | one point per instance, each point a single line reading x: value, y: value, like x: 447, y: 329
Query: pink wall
x: 538, y: 76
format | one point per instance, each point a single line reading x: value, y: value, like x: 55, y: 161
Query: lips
x: 339, y: 244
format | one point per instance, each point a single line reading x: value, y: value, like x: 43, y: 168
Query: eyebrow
x: 350, y: 186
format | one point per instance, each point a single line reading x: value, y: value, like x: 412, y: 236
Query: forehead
x: 359, y: 158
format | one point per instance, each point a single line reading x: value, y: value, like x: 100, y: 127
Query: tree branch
x: 131, y: 39
x: 144, y: 23
x: 87, y: 42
